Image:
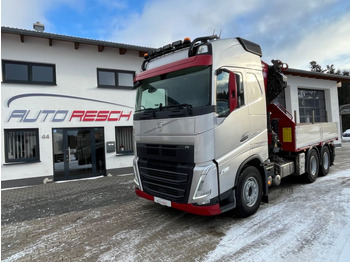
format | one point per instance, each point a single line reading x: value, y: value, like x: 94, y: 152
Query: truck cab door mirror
x: 232, y: 91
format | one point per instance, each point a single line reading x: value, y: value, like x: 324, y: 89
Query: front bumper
x: 190, y: 208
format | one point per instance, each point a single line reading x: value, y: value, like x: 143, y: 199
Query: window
x: 115, y: 78
x: 240, y: 90
x: 312, y: 102
x: 124, y: 139
x: 28, y: 73
x: 222, y: 99
x: 21, y: 145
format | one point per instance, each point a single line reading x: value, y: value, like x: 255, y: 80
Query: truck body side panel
x: 311, y: 134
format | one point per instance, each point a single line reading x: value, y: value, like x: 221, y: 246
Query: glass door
x: 78, y: 152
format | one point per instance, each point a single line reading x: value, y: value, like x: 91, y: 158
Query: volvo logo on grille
x: 159, y: 127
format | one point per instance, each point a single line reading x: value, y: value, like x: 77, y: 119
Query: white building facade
x: 67, y: 107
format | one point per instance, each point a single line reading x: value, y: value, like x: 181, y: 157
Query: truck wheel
x: 313, y: 165
x: 249, y: 192
x: 325, y: 161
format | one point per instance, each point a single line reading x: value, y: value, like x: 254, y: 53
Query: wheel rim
x: 251, y: 191
x: 325, y: 161
x: 313, y: 165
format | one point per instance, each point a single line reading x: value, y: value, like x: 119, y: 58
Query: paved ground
x: 103, y: 220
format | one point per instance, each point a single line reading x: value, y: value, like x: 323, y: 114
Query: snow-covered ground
x: 309, y: 223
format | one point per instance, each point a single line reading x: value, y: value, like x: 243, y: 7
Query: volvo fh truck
x: 208, y: 136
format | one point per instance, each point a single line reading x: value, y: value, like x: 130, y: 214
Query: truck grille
x: 166, y: 170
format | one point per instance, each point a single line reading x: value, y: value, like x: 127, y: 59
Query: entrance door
x: 78, y: 153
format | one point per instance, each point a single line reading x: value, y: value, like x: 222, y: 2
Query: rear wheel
x: 325, y: 161
x: 249, y: 192
x: 313, y: 165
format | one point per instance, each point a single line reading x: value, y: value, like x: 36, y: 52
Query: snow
x: 289, y: 231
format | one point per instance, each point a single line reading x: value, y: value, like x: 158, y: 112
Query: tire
x: 325, y: 161
x: 249, y: 192
x: 312, y: 166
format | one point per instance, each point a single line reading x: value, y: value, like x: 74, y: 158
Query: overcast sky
x: 294, y: 31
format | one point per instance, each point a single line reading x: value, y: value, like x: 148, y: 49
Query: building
x: 67, y: 106
x: 313, y: 97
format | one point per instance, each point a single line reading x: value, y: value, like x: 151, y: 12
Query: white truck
x: 208, y: 137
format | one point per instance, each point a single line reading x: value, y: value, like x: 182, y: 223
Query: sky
x: 294, y: 31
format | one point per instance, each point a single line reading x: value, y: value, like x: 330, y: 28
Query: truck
x: 208, y: 135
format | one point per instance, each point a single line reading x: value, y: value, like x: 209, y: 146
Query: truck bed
x: 310, y: 134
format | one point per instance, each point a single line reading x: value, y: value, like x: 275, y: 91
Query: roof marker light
x: 187, y: 40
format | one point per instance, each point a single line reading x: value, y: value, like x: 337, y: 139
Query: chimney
x: 38, y: 27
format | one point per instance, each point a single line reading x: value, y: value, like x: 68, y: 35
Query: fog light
x: 203, y: 202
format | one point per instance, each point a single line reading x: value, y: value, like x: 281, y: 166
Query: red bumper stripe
x: 190, y: 208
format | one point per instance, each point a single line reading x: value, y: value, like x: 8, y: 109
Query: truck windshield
x: 188, y: 87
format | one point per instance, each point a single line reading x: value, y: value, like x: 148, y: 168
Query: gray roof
x: 317, y: 75
x: 32, y: 33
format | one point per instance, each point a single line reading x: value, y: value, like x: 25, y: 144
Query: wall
x: 76, y: 75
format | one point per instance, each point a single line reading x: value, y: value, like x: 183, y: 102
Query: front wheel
x: 249, y: 192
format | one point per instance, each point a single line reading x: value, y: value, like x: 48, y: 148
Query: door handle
x: 244, y: 138
x: 68, y: 155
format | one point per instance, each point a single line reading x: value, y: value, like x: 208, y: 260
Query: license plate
x: 162, y: 201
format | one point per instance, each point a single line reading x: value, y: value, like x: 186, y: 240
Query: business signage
x: 63, y: 115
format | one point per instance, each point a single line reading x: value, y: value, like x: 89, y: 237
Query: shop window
x: 28, y: 73
x: 124, y: 140
x: 21, y: 145
x: 115, y: 78
x: 312, y: 103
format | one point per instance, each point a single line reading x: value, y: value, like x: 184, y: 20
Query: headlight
x: 204, y: 187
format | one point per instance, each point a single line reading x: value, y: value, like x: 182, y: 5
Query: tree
x: 315, y: 67
x: 330, y: 69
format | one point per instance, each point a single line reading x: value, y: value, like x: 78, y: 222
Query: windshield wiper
x: 178, y: 106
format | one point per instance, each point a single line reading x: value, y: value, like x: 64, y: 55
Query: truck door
x: 232, y: 131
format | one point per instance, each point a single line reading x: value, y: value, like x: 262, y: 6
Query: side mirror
x: 232, y: 86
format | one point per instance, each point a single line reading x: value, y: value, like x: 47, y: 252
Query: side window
x: 124, y: 140
x: 240, y: 90
x: 21, y: 145
x: 222, y: 94
x: 254, y: 90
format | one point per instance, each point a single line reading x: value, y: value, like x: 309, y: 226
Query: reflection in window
x: 21, y: 145
x: 28, y: 73
x: 312, y: 102
x: 222, y: 94
x: 240, y: 90
x: 115, y: 78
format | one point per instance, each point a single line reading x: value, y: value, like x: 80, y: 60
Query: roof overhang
x: 316, y: 75
x: 22, y: 33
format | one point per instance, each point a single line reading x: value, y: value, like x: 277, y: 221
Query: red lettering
x: 111, y: 113
x: 126, y: 115
x: 102, y: 116
x: 78, y: 114
x: 89, y: 116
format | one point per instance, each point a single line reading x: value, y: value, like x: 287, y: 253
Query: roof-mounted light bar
x: 177, y: 45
